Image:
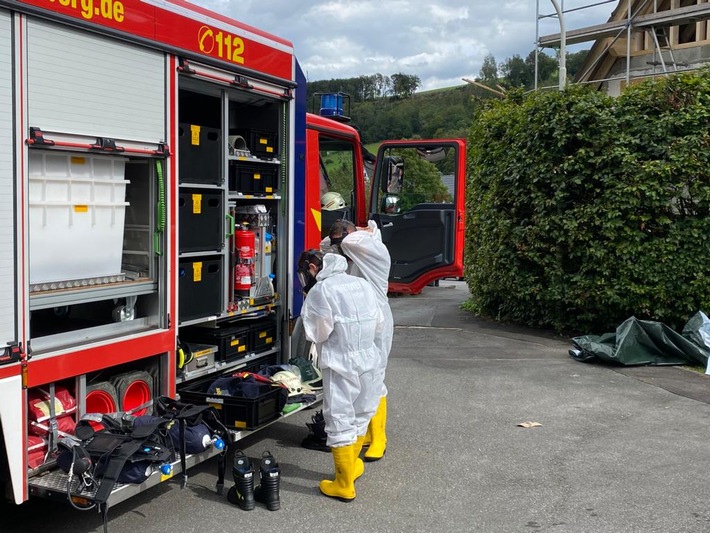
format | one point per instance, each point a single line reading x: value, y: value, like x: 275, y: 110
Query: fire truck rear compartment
x: 101, y: 272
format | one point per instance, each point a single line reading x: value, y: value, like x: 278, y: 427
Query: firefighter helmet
x: 332, y: 201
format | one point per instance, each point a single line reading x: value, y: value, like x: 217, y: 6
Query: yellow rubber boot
x: 343, y: 487
x: 368, y: 435
x: 378, y: 446
x: 359, y: 464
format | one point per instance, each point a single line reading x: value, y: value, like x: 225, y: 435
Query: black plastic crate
x: 200, y: 286
x: 199, y: 154
x: 201, y: 213
x: 237, y: 412
x: 232, y: 340
x: 260, y: 143
x: 253, y: 178
x: 263, y: 335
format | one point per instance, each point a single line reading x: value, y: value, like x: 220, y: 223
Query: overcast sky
x: 441, y: 41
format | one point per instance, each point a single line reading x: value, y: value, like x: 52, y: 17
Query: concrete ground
x: 617, y: 450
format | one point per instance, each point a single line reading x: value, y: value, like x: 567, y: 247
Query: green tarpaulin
x: 644, y: 342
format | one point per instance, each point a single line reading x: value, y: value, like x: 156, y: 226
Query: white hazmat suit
x: 341, y: 315
x: 371, y: 260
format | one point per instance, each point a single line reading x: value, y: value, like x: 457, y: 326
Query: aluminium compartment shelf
x: 221, y: 367
x: 95, y: 293
x: 247, y: 312
x: 253, y: 159
x: 259, y: 196
x: 53, y: 484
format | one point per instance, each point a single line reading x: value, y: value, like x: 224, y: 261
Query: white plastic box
x: 77, y: 214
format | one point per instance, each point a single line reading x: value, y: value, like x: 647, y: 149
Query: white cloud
x: 441, y: 41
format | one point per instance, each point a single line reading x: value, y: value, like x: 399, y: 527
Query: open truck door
x: 417, y: 200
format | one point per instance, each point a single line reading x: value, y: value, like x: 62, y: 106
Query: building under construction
x: 641, y: 39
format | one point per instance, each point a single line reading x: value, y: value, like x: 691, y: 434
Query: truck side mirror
x: 390, y: 204
x: 394, y: 175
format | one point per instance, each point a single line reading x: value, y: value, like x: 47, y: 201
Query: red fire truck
x: 158, y: 174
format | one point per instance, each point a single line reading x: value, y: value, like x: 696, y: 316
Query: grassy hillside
x: 444, y: 112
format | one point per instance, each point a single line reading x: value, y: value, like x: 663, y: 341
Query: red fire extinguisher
x: 245, y: 245
x: 242, y: 279
x: 245, y: 242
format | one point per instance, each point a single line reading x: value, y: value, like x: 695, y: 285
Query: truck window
x: 412, y: 178
x: 337, y: 168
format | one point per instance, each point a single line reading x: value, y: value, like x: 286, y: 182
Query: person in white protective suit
x: 369, y: 259
x: 342, y: 317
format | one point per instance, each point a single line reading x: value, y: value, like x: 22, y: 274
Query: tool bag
x: 193, y: 423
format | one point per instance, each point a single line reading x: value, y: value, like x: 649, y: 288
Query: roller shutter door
x: 87, y: 84
x: 7, y: 202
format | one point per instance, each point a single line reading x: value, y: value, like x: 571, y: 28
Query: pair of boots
x: 243, y: 492
x: 348, y: 465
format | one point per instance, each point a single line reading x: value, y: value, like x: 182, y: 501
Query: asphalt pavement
x: 613, y: 450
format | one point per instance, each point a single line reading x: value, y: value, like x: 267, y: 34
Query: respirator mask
x: 305, y: 277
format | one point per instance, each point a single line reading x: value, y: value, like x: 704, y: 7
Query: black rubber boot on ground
x: 242, y: 493
x: 317, y: 438
x: 270, y: 474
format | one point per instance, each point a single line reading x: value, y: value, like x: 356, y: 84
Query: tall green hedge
x: 584, y: 210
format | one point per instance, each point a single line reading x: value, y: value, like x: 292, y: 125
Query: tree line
x: 363, y: 88
x: 519, y: 73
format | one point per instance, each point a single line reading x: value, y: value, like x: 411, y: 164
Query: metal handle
x: 230, y: 231
x: 388, y: 225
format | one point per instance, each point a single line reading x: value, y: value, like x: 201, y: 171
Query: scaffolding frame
x: 657, y: 23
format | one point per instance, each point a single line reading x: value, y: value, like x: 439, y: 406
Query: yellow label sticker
x: 257, y: 176
x: 81, y: 208
x: 200, y: 353
x: 196, y: 204
x: 195, y: 134
x: 269, y: 340
x: 235, y: 342
x: 240, y: 424
x: 242, y: 348
x: 262, y: 334
x: 263, y: 141
x: 269, y: 189
x: 197, y: 271
x: 78, y: 160
x: 269, y: 149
